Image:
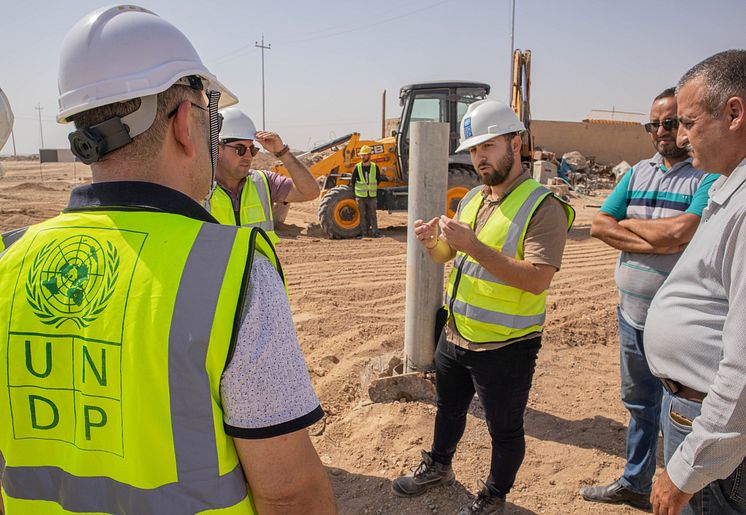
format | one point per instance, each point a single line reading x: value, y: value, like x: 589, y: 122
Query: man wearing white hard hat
x: 132, y: 317
x: 507, y: 239
x: 244, y: 196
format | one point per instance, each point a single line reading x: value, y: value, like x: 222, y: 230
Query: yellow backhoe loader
x: 442, y: 101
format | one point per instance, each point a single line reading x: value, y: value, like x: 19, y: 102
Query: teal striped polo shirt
x: 649, y: 190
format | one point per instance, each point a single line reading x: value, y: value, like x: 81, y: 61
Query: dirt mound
x: 31, y: 186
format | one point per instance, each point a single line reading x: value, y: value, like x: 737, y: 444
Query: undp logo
x: 72, y: 280
x: 467, y: 127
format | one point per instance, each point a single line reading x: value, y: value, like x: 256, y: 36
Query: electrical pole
x: 13, y: 137
x: 41, y: 132
x: 263, y: 47
x: 512, y: 47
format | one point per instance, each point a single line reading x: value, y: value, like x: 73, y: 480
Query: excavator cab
x: 442, y: 101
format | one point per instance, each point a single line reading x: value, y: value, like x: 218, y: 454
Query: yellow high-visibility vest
x: 369, y: 188
x: 117, y: 326
x: 255, y: 205
x: 484, y: 308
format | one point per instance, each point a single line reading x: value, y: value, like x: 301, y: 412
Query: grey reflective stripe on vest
x: 10, y: 237
x: 467, y: 198
x: 262, y: 187
x: 520, y: 221
x: 495, y: 317
x: 199, y: 486
x: 477, y: 271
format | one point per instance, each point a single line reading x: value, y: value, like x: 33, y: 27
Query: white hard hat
x: 487, y: 119
x: 6, y: 119
x: 119, y: 53
x: 236, y: 125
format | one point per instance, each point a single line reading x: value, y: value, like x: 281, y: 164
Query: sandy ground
x: 348, y: 303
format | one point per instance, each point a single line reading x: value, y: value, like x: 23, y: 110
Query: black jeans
x: 502, y: 379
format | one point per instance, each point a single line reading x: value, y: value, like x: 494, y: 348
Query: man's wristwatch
x: 282, y: 152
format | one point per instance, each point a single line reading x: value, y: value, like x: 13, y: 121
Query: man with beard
x: 507, y: 239
x: 244, y: 196
x: 650, y: 217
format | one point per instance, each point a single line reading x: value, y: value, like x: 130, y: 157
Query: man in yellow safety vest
x: 364, y: 182
x: 507, y: 239
x: 244, y: 196
x: 140, y: 372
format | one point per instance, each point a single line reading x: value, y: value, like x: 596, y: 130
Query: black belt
x: 680, y: 390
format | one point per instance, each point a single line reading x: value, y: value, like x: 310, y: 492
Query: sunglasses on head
x: 241, y: 149
x: 668, y: 124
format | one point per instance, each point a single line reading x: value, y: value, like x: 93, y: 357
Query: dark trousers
x: 502, y: 379
x: 367, y: 208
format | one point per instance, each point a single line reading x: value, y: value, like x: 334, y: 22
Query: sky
x: 330, y: 60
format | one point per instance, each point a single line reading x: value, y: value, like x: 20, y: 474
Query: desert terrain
x: 348, y: 300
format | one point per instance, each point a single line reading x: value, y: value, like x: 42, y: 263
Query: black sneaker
x: 615, y: 493
x: 486, y: 503
x: 427, y: 475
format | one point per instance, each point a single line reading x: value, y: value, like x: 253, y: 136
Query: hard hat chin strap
x: 89, y: 144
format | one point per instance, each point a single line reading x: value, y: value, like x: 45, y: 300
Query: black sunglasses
x: 668, y: 124
x: 220, y: 116
x: 241, y: 149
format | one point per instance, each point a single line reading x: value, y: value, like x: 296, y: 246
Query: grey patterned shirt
x: 266, y: 390
x: 695, y: 335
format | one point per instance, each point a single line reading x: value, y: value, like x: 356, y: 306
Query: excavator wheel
x: 461, y: 179
x: 338, y: 214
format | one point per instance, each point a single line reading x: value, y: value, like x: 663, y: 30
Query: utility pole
x: 263, y: 47
x: 13, y: 137
x: 512, y: 46
x: 41, y: 132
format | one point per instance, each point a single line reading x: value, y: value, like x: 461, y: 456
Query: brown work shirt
x: 544, y: 244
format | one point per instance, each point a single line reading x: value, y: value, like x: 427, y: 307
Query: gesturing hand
x: 427, y: 232
x: 459, y: 235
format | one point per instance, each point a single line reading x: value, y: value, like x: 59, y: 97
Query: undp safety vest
x: 365, y: 189
x: 255, y: 206
x: 116, y: 328
x: 484, y: 308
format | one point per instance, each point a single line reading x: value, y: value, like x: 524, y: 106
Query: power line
x: 369, y: 24
x: 312, y: 35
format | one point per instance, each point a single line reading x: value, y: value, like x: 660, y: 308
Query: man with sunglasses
x: 650, y: 216
x: 244, y: 196
x: 137, y: 376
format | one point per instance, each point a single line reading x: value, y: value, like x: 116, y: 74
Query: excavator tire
x: 461, y: 179
x: 338, y: 214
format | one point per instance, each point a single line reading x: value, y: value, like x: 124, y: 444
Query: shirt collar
x: 142, y: 196
x: 657, y: 160
x: 725, y: 186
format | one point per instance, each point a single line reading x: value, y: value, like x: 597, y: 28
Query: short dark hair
x: 666, y: 93
x: 146, y: 145
x: 723, y: 75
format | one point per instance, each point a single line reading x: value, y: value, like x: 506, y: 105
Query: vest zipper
x: 458, y: 279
